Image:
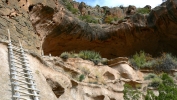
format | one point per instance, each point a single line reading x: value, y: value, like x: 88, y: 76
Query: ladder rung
x: 24, y: 82
x: 21, y: 97
x: 18, y: 48
x: 18, y: 72
x: 16, y: 59
x: 20, y: 63
x: 26, y: 77
x: 25, y: 73
x: 27, y: 93
x: 29, y: 88
x: 21, y: 68
x: 19, y: 56
x: 21, y: 73
x: 15, y: 47
x: 15, y: 52
x: 19, y: 51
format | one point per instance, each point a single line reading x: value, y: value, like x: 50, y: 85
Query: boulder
x: 131, y: 10
x: 128, y: 72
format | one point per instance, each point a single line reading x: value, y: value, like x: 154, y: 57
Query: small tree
x: 167, y: 89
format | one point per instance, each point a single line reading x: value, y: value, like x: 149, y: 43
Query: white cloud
x: 113, y: 3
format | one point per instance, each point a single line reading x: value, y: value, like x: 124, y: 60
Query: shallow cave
x: 101, y: 97
x: 109, y: 76
x: 111, y: 41
x: 57, y: 89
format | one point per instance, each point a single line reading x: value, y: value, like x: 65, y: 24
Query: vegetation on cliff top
x: 143, y: 10
x: 165, y: 63
x: 166, y: 87
x: 85, y: 54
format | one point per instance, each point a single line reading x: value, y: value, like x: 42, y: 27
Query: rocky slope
x: 14, y: 16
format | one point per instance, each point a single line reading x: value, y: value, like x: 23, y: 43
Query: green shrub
x: 167, y: 89
x: 81, y: 77
x: 142, y: 60
x: 110, y: 18
x: 155, y: 82
x: 149, y: 64
x: 65, y: 55
x: 73, y: 54
x: 70, y: 7
x: 138, y: 60
x: 87, y: 55
x: 64, y: 0
x: 130, y: 93
x: 166, y: 63
x: 150, y: 95
x: 88, y: 18
x: 90, y: 55
x: 143, y: 10
x: 150, y: 76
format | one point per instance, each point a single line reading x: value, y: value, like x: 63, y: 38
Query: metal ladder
x: 22, y: 82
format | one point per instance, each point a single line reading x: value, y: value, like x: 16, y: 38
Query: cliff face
x: 48, y: 25
x: 60, y: 80
x: 61, y: 31
x: 14, y: 16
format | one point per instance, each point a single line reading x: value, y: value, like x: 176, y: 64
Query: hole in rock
x: 30, y: 8
x: 101, y: 97
x: 74, y: 84
x: 109, y: 76
x: 124, y: 75
x: 57, y: 89
x: 7, y: 1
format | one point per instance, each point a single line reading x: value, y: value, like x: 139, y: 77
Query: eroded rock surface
x: 48, y: 25
x: 56, y: 79
x: 14, y: 16
x: 152, y: 33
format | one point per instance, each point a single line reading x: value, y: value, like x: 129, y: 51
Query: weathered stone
x: 82, y: 8
x: 131, y: 10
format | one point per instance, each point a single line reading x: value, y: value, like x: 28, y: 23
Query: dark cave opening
x: 101, y: 97
x: 30, y: 8
x: 57, y: 89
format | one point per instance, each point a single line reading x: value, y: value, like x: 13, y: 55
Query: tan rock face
x: 100, y: 82
x: 14, y: 16
x: 55, y: 83
x: 127, y: 72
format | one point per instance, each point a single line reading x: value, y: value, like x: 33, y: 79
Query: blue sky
x: 113, y: 3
